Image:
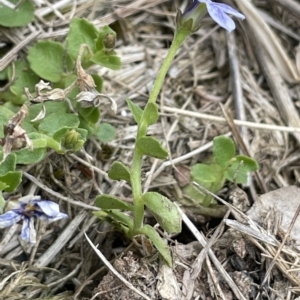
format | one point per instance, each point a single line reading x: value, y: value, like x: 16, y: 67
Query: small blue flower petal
x: 34, y: 208
x: 25, y: 233
x: 218, y: 12
x: 9, y: 218
x: 49, y: 208
x: 28, y: 232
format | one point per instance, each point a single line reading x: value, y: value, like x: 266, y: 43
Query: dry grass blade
x: 212, y: 256
x: 60, y: 242
x: 281, y: 246
x: 270, y: 42
x: 291, y: 5
x: 190, y: 118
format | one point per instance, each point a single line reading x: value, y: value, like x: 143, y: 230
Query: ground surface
x: 245, y: 72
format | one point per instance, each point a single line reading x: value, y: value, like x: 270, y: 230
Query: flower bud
x: 70, y: 139
x: 109, y: 41
x: 190, y: 19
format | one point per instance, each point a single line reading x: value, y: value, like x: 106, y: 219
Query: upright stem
x: 179, y: 37
x: 136, y: 168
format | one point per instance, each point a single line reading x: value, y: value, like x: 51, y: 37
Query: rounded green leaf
x: 223, y: 150
x: 164, y: 211
x: 12, y: 180
x: 240, y: 167
x: 118, y: 171
x: 25, y: 78
x: 109, y: 202
x: 150, y: 114
x: 150, y: 146
x: 56, y: 121
x: 27, y: 156
x: 105, y: 132
x: 51, y: 107
x: 9, y: 164
x: 81, y: 32
x: 46, y: 59
x: 203, y: 173
x: 21, y: 16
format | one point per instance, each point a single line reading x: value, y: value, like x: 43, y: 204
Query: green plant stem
x: 179, y: 37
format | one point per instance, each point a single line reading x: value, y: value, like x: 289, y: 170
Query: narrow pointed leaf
x: 109, y: 202
x: 135, y: 110
x: 158, y: 242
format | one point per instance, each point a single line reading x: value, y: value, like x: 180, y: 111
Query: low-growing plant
x: 224, y: 165
x: 163, y: 209
x: 62, y: 110
x: 59, y: 99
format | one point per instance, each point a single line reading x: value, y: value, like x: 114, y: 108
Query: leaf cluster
x: 55, y: 118
x: 163, y: 209
x: 225, y: 165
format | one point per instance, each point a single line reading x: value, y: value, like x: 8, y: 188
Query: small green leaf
x: 135, y: 110
x: 150, y: 114
x: 87, y: 126
x: 118, y: 171
x: 107, y: 59
x: 150, y: 146
x: 105, y: 132
x: 8, y: 165
x: 51, y: 107
x: 25, y: 77
x: 117, y: 216
x: 164, y: 211
x: 158, y: 242
x: 3, y: 186
x: 98, y: 82
x: 27, y: 156
x: 81, y: 32
x: 240, y: 167
x: 107, y: 202
x: 223, y: 149
x: 12, y: 179
x: 90, y: 114
x: 46, y: 60
x: 21, y: 16
x: 203, y: 173
x: 56, y: 121
x: 5, y: 115
x: 103, y: 33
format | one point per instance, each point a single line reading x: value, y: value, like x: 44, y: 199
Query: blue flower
x: 218, y: 12
x: 191, y: 18
x: 28, y: 210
